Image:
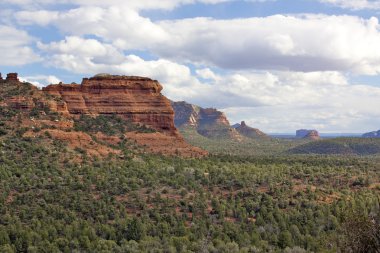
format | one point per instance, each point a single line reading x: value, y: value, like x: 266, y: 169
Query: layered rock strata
x: 136, y: 99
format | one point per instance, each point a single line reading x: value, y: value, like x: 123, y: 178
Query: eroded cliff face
x: 145, y: 114
x: 136, y: 99
x: 208, y: 122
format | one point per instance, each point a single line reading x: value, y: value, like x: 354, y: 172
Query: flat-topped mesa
x: 137, y: 99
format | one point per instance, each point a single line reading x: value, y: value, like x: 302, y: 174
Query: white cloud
x: 289, y: 101
x: 134, y: 4
x: 207, y: 73
x: 355, y: 4
x: 294, y: 43
x: 41, y: 80
x: 89, y: 56
x: 119, y: 24
x: 41, y: 17
x: 15, y: 47
x: 297, y: 43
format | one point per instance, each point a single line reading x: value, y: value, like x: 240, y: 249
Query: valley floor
x: 51, y: 202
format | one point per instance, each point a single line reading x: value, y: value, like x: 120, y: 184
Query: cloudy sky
x: 280, y: 65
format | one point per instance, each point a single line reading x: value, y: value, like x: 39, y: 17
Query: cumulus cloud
x: 41, y: 80
x: 297, y: 43
x: 207, y: 73
x: 279, y: 42
x: 89, y: 56
x: 15, y: 48
x: 322, y: 100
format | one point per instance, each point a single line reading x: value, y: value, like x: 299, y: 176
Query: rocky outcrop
x: 26, y: 97
x: 12, y: 77
x: 208, y: 122
x: 21, y: 103
x: 136, y: 99
x: 374, y: 134
x: 186, y: 114
x: 307, y: 134
x: 248, y: 131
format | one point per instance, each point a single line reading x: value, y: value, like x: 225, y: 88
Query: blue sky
x: 280, y: 65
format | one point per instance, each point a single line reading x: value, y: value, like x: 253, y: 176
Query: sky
x: 280, y: 65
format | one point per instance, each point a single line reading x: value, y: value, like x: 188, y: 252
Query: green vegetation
x: 246, y: 147
x: 246, y: 197
x: 109, y: 125
x: 15, y: 89
x: 49, y: 203
x: 340, y: 146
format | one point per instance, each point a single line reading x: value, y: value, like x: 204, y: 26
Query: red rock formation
x: 248, y: 131
x: 12, y: 77
x: 20, y: 103
x: 136, y: 99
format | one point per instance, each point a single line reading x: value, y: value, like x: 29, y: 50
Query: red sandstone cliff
x: 136, y: 99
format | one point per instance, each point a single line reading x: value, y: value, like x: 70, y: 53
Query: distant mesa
x: 248, y: 131
x: 307, y: 134
x: 374, y: 134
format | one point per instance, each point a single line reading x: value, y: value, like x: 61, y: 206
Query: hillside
x: 98, y: 117
x: 374, y: 134
x: 51, y: 202
x: 340, y: 146
x: 243, y: 147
